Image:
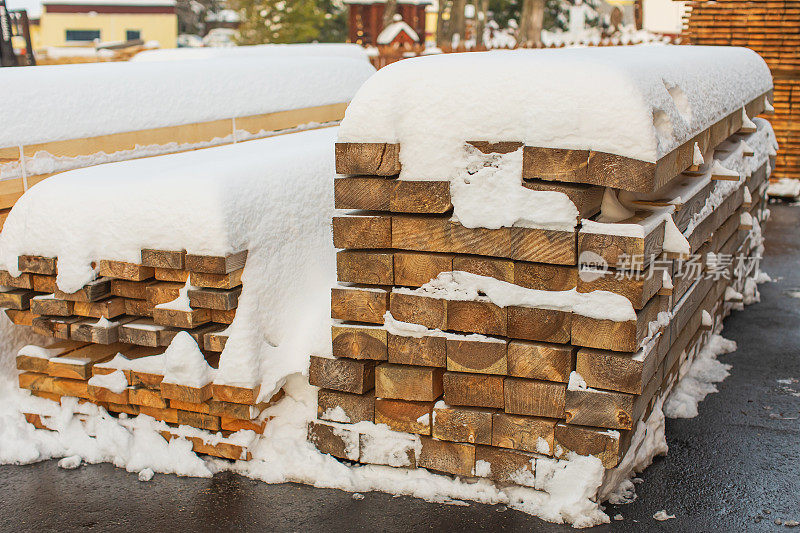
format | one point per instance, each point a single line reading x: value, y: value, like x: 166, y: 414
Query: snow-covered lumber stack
x: 73, y: 116
x: 769, y: 28
x: 148, y: 295
x: 536, y: 243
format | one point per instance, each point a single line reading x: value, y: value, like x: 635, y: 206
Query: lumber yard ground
x: 735, y: 467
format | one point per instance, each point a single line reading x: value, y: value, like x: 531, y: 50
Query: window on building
x: 132, y: 35
x: 83, y: 35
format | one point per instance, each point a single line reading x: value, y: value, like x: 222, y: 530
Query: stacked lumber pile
x: 771, y: 28
x: 112, y: 334
x: 486, y: 389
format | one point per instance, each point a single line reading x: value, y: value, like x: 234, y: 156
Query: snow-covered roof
x: 634, y: 101
x: 316, y: 49
x: 393, y: 30
x: 209, y: 201
x: 33, y: 7
x: 74, y: 101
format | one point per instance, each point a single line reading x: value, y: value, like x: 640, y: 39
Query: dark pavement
x: 735, y: 467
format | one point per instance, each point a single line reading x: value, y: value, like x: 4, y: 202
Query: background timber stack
x: 771, y: 28
x: 136, y: 310
x: 484, y: 390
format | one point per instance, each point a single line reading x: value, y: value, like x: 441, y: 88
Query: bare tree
x: 530, y: 28
x: 481, y: 12
x: 389, y: 11
x: 441, y: 24
x: 458, y: 22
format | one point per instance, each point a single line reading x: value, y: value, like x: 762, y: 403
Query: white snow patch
x: 70, y: 463
x: 116, y: 381
x: 146, y: 474
x: 662, y: 515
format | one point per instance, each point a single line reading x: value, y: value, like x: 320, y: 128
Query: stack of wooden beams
x: 493, y: 404
x: 771, y: 28
x: 120, y: 313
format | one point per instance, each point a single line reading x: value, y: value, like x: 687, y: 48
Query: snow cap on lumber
x: 640, y: 102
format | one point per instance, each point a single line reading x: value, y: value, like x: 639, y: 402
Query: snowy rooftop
x: 393, y: 30
x: 75, y: 101
x: 635, y: 101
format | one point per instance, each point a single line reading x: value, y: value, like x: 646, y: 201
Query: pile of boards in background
x: 771, y: 28
x: 488, y: 390
x: 114, y: 331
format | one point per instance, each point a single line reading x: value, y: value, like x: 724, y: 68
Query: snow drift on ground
x: 635, y: 101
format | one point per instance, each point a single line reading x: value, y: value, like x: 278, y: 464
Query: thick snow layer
x: 635, y: 101
x: 207, y: 202
x: 353, y: 51
x: 467, y: 286
x: 784, y: 188
x: 75, y: 101
x: 185, y: 364
x: 115, y: 381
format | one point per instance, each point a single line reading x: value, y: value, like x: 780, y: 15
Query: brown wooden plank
x: 147, y: 397
x: 404, y: 382
x: 367, y: 267
x: 538, y: 360
x: 535, y: 324
x: 617, y: 250
x: 48, y: 305
x: 91, y: 292
x: 527, y: 433
x: 163, y: 258
x: 505, y: 466
x: 33, y: 362
x: 480, y: 357
x: 586, y: 198
x: 36, y: 264
x: 417, y: 351
x: 184, y: 393
x: 181, y: 319
x: 20, y: 318
x: 355, y: 407
x: 44, y: 283
x: 555, y: 164
x: 58, y: 327
x: 406, y: 416
x: 19, y: 299
x: 428, y: 234
x: 171, y: 274
x: 88, y: 330
x: 235, y: 394
x: 414, y: 269
x: 363, y: 193
x: 216, y: 281
x: 617, y: 371
x: 618, y: 336
x: 502, y: 269
x: 334, y: 440
x: 199, y: 420
x: 108, y: 308
x: 215, y: 264
x: 78, y: 363
x: 359, y: 342
x: 142, y: 332
x: 357, y: 304
x: 23, y: 281
x: 475, y: 390
x: 375, y: 159
x: 534, y: 397
x: 593, y: 407
x: 462, y: 424
x: 476, y: 317
x: 136, y: 290
x: 601, y: 443
x: 345, y: 375
x: 420, y: 197
x: 638, y: 287
x: 416, y: 309
x: 362, y: 231
x: 543, y: 245
x: 221, y: 299
x: 124, y: 270
x: 449, y: 457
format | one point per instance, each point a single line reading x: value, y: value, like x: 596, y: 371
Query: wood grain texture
x: 20, y: 318
x: 367, y: 267
x: 555, y: 164
x: 57, y: 327
x: 171, y: 274
x: 471, y: 316
x: 523, y: 433
x: 36, y: 264
x: 199, y: 420
x: 44, y: 283
x: 221, y: 299
x: 89, y: 331
x: 401, y: 415
x: 19, y: 299
x: 404, y: 382
x: 448, y: 457
x: 23, y: 281
x: 366, y: 193
x: 617, y: 336
x: 345, y: 375
x: 544, y: 277
x: 359, y: 305
x: 417, y: 351
x: 544, y: 325
x: 216, y: 281
x: 420, y: 197
x: 474, y: 390
x: 591, y: 441
x: 356, y: 407
x: 362, y: 231
x: 91, y: 292
x: 501, y: 269
x: 617, y: 250
x: 426, y: 234
x: 414, y: 269
x: 462, y: 424
x: 359, y: 342
x: 375, y: 159
x: 181, y: 319
x: 184, y: 393
x: 415, y: 309
x: 586, y: 198
x: 507, y: 466
x: 478, y: 357
x: 235, y: 394
x: 215, y: 264
x: 613, y: 410
x: 164, y: 258
x: 638, y: 287
x: 136, y: 290
x: 108, y: 308
x: 543, y: 245
x: 534, y: 397
x: 334, y: 440
x: 123, y: 270
x: 616, y: 371
x: 538, y: 360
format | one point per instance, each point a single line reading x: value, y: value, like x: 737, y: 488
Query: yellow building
x: 82, y: 22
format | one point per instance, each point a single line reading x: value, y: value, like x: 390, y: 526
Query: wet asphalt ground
x: 735, y: 467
